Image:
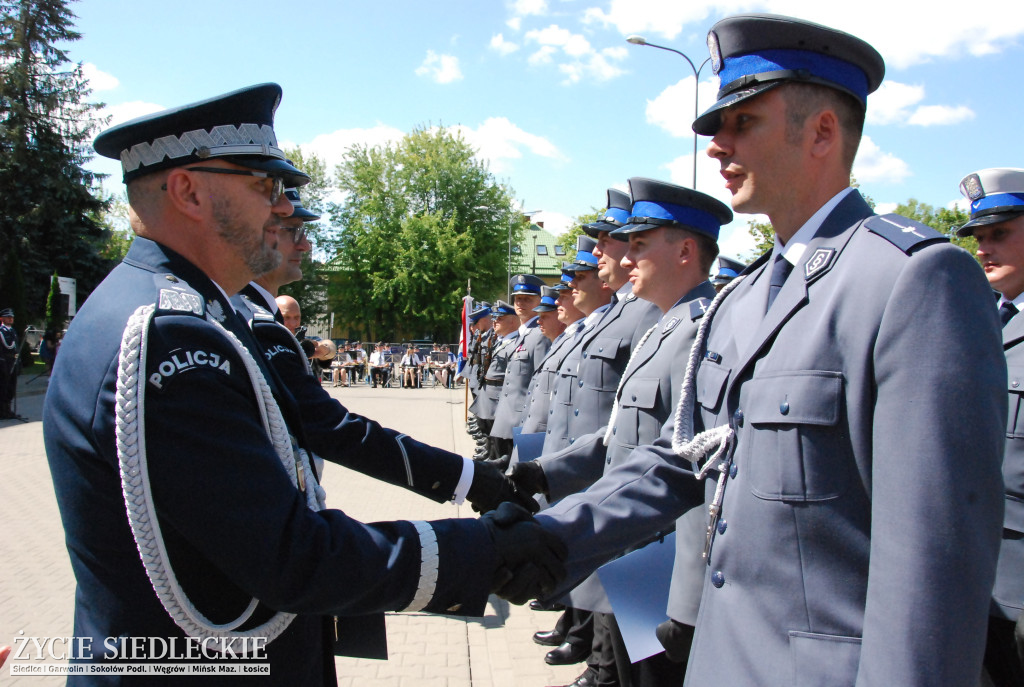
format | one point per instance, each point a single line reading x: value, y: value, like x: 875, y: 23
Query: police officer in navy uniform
x: 672, y: 235
x: 997, y: 222
x: 334, y: 433
x: 849, y: 400
x: 180, y: 465
x: 530, y: 349
x: 8, y: 363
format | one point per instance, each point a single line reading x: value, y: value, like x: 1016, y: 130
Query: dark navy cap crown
x: 585, y: 260
x: 7, y: 312
x: 661, y: 204
x: 615, y: 215
x: 237, y: 127
x: 752, y: 53
x: 482, y: 310
x: 526, y: 283
x: 996, y: 195
x: 297, y: 210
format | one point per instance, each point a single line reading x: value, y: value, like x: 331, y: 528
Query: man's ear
x: 827, y: 133
x: 184, y: 193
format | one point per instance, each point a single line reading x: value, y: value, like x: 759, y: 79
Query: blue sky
x: 549, y: 91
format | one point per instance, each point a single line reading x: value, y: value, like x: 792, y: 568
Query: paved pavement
x: 37, y: 587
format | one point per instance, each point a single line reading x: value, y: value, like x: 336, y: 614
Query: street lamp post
x: 640, y: 40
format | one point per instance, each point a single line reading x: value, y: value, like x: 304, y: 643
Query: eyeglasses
x: 275, y: 190
x: 298, y: 233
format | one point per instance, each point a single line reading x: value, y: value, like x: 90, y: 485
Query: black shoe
x: 567, y: 654
x: 587, y: 679
x: 538, y: 606
x: 549, y: 638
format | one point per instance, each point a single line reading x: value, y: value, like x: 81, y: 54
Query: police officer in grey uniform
x: 672, y: 235
x: 997, y: 222
x: 8, y: 363
x: 179, y: 461
x: 728, y: 269
x: 849, y: 401
x: 505, y: 336
x: 529, y: 351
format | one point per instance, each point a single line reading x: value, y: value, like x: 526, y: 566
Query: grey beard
x: 257, y: 256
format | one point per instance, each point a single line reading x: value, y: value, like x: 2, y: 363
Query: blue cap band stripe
x: 547, y: 300
x: 996, y: 200
x: 617, y: 214
x: 832, y: 69
x: 566, y: 277
x: 525, y: 288
x: 585, y: 257
x: 691, y: 217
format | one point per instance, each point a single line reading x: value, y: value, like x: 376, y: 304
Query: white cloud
x: 99, y: 80
x: 892, y: 101
x: 939, y: 115
x: 440, y: 68
x: 874, y: 166
x: 573, y: 44
x: 543, y: 56
x: 515, y: 23
x: 582, y: 60
x: 672, y: 110
x: 960, y: 203
x: 331, y: 147
x: 554, y: 222
x: 900, y: 31
x: 524, y: 8
x: 122, y: 112
x: 502, y: 46
x: 885, y: 208
x: 596, y: 66
x: 498, y: 140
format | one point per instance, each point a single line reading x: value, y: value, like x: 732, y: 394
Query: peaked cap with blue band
x: 547, y: 300
x: 996, y: 195
x: 298, y: 211
x: 501, y: 308
x: 483, y: 310
x: 661, y: 204
x: 615, y: 214
x: 526, y: 283
x: 728, y: 269
x: 585, y: 260
x: 752, y: 53
x: 237, y: 127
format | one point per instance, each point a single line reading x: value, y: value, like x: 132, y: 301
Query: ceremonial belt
x: 494, y: 382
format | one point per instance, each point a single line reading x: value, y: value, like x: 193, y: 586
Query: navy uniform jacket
x: 649, y: 394
x: 486, y: 403
x: 345, y: 438
x: 538, y: 398
x: 1008, y: 594
x: 868, y: 408
x: 584, y: 395
x: 526, y: 358
x: 233, y: 524
x: 8, y: 344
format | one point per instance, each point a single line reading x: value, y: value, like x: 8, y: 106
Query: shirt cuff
x: 465, y: 481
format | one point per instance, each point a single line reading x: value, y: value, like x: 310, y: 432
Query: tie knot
x: 780, y: 271
x: 1006, y: 311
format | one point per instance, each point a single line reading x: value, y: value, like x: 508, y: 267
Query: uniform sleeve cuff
x: 465, y: 481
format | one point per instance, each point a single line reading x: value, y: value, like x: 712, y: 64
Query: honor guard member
x: 997, y: 222
x: 672, y: 235
x: 8, y: 363
x: 530, y: 349
x: 728, y: 269
x: 547, y: 315
x: 560, y: 333
x: 480, y: 325
x: 335, y: 434
x: 850, y: 393
x: 177, y: 528
x: 505, y: 334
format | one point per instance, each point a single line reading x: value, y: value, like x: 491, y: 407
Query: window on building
x: 559, y: 250
x: 542, y: 250
x: 516, y: 250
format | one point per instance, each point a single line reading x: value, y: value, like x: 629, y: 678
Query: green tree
x: 944, y: 220
x: 49, y: 218
x: 568, y: 240
x: 54, y: 311
x: 311, y: 290
x: 764, y: 238
x: 419, y: 218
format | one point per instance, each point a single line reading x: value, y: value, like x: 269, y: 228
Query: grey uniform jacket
x: 590, y: 375
x: 486, y: 402
x: 1008, y: 594
x: 526, y: 358
x: 860, y: 526
x: 538, y: 397
x: 649, y: 394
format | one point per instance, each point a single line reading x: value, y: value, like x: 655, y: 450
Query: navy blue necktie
x: 1006, y: 311
x: 780, y: 271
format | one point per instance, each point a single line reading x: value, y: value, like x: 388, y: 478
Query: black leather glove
x: 676, y: 637
x: 491, y: 488
x: 529, y: 477
x: 531, y: 560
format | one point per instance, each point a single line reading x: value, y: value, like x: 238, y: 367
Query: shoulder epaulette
x: 904, y: 233
x: 698, y: 308
x: 176, y: 296
x: 259, y: 313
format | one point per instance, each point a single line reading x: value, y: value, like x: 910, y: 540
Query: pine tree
x: 49, y: 218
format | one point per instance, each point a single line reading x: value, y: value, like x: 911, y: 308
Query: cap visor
x: 985, y: 220
x: 708, y: 123
x: 293, y: 177
x: 622, y: 233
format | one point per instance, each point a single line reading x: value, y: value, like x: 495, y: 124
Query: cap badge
x: 716, y: 52
x: 971, y: 187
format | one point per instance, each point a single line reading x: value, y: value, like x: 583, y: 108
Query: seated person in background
x: 448, y: 368
x: 337, y: 369
x: 411, y: 364
x: 379, y: 365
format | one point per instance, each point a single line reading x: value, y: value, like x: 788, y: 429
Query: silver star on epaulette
x: 215, y: 310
